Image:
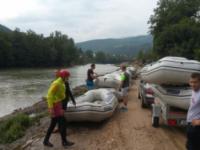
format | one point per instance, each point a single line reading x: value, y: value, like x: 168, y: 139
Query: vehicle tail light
x: 172, y: 122
x: 149, y: 91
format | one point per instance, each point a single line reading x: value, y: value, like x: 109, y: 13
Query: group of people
x: 123, y: 88
x: 59, y: 94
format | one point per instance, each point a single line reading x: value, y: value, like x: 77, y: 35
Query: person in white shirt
x: 193, y: 116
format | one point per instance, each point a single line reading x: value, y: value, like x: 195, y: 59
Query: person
x: 193, y: 116
x: 91, y: 75
x: 124, y: 86
x: 55, y: 95
x: 68, y: 94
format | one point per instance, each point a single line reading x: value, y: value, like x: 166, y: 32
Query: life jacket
x: 124, y: 77
x: 56, y: 92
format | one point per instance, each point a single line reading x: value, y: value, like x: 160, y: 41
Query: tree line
x: 28, y: 49
x: 102, y: 57
x: 175, y: 26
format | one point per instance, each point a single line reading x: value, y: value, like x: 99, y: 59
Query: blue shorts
x: 90, y: 84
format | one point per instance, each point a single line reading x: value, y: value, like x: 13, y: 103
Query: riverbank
x: 131, y: 130
x: 32, y: 114
x: 40, y: 106
x: 25, y: 87
x: 21, y: 123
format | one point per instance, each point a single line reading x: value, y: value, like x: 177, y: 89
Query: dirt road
x: 130, y: 130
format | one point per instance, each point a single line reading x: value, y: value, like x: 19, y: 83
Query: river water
x: 23, y: 87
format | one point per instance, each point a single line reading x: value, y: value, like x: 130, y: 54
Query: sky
x: 81, y: 20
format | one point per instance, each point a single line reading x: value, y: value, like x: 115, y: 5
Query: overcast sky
x: 80, y: 19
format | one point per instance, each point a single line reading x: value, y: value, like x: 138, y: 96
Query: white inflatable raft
x: 95, y: 106
x: 131, y: 70
x: 111, y: 80
x: 170, y: 70
x: 174, y: 96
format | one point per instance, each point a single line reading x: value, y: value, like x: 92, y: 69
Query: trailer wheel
x: 155, y: 122
x: 143, y: 105
x: 139, y: 97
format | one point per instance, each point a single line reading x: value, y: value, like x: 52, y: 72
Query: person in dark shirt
x: 90, y: 77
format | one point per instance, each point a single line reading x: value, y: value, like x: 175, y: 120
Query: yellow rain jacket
x: 56, y: 92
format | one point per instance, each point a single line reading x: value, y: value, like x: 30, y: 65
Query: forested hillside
x: 129, y: 46
x: 29, y: 49
x: 175, y: 26
x: 4, y: 29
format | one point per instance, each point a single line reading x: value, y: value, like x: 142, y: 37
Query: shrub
x: 14, y: 128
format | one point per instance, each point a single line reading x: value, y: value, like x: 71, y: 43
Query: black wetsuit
x: 68, y: 96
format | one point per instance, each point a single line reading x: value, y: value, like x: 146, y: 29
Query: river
x: 20, y: 88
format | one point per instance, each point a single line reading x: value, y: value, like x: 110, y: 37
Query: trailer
x: 170, y: 115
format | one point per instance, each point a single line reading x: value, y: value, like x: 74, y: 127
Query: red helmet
x: 64, y: 73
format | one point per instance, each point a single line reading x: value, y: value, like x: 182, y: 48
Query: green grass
x: 14, y: 128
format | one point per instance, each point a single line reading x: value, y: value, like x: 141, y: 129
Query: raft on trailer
x: 176, y: 96
x: 170, y: 70
x: 94, y: 106
x: 171, y: 103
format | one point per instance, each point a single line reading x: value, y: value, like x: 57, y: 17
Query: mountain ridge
x: 127, y: 45
x: 4, y: 28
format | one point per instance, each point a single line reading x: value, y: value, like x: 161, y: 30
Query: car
x: 145, y: 94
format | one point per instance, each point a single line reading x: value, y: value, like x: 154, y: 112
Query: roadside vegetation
x: 175, y: 27
x: 15, y: 127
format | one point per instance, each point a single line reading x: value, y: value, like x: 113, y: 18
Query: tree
x: 89, y: 55
x: 100, y: 57
x: 6, y: 56
x: 28, y: 49
x: 175, y: 26
x: 197, y: 54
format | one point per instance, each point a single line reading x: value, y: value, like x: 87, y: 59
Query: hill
x: 4, y: 29
x: 129, y: 46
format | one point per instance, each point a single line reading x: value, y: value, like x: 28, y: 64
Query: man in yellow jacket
x: 56, y: 94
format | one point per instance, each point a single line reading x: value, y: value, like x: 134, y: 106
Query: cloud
x: 80, y: 19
